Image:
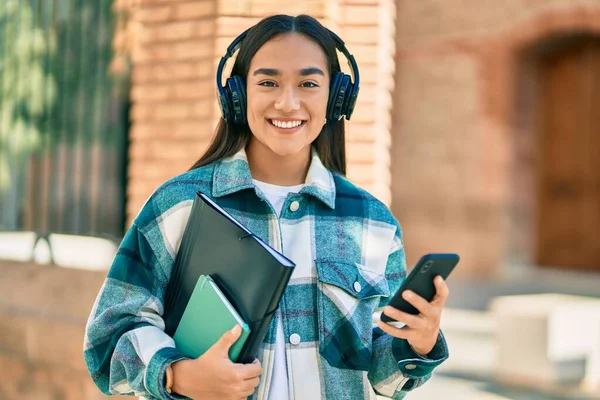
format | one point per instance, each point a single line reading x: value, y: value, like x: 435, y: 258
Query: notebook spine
x: 181, y: 260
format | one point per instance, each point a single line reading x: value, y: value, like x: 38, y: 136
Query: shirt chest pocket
x: 347, y: 296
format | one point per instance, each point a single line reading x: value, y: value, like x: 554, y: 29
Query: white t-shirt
x: 279, y: 385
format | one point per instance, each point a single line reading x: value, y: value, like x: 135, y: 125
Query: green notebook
x: 207, y: 316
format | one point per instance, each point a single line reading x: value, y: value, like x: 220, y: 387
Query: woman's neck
x: 268, y: 167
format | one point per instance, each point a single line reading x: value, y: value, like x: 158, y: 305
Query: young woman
x: 277, y: 163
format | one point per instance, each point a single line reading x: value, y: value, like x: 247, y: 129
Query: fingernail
x: 235, y: 329
x: 408, y: 294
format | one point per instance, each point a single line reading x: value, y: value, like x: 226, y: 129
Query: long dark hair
x: 231, y: 138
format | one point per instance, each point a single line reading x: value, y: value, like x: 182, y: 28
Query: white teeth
x: 286, y: 124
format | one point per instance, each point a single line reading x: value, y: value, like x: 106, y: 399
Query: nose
x: 287, y: 101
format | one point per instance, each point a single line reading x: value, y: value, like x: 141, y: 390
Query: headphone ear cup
x: 346, y: 91
x: 351, y: 100
x: 338, y: 96
x: 333, y: 103
x: 224, y: 103
x: 237, y: 92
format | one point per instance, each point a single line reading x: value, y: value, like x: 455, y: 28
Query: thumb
x: 229, y: 338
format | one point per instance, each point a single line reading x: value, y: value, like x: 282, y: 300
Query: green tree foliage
x: 28, y: 90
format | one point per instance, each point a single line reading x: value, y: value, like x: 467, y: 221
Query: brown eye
x: 309, y: 85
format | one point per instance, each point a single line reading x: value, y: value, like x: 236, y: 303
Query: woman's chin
x: 288, y: 149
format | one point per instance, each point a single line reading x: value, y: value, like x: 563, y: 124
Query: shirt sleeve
x: 125, y: 348
x: 396, y: 368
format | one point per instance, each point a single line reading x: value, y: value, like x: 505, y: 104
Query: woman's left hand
x: 421, y: 331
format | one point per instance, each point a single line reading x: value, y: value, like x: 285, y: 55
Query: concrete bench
x: 547, y: 339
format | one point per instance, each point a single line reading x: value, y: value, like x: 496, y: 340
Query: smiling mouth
x: 286, y: 124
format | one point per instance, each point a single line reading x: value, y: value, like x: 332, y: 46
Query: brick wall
x: 43, y: 312
x: 172, y: 90
x: 456, y: 165
x: 175, y: 51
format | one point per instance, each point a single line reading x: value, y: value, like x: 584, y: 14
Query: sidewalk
x: 445, y: 387
x: 441, y: 387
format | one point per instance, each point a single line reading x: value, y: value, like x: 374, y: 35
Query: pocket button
x: 294, y: 339
x: 357, y: 286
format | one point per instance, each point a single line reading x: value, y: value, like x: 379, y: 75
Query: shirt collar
x: 232, y: 174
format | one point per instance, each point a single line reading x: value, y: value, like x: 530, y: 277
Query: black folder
x: 250, y: 273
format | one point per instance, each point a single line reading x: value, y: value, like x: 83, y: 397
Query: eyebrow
x: 302, y: 72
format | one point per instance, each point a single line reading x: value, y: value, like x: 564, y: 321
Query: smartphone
x: 420, y: 281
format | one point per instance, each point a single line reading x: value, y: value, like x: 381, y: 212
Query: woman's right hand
x: 214, y: 376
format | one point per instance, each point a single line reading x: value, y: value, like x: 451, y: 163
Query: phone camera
x: 426, y: 266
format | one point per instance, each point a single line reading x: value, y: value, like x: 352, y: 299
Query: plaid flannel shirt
x: 349, y: 259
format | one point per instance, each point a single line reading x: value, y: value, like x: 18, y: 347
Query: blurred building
x: 477, y: 122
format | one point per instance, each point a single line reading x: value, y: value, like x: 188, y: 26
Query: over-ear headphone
x: 342, y: 90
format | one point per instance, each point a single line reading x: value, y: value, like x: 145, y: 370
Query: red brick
x: 364, y: 113
x: 201, y: 110
x: 121, y: 5
x: 368, y: 92
x: 156, y: 170
x: 154, y: 14
x: 361, y: 34
x: 166, y: 149
x: 363, y: 2
x: 173, y: 71
x: 152, y: 93
x: 141, y: 55
x: 311, y: 7
x: 360, y: 132
x: 364, y: 52
x: 155, y: 2
x: 140, y: 190
x: 228, y: 26
x: 173, y: 31
x: 161, y: 92
x: 195, y: 9
x: 368, y: 73
x: 193, y: 90
x: 170, y: 111
x: 168, y: 52
x: 193, y: 50
x: 197, y: 129
x: 360, y: 153
x: 157, y: 112
x: 361, y: 174
x: 221, y: 45
x: 360, y: 15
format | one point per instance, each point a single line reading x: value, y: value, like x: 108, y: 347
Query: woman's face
x: 287, y: 88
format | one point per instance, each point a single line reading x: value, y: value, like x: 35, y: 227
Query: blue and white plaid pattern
x: 350, y: 258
